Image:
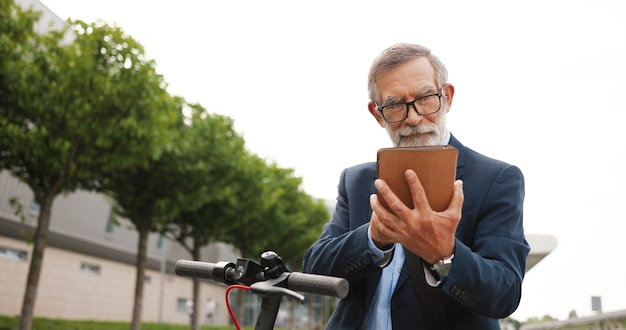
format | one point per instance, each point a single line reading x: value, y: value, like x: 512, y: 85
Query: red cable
x: 230, y: 311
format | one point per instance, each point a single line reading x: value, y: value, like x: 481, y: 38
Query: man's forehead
x: 415, y: 74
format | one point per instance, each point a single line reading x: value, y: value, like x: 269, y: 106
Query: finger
x: 394, y: 203
x: 420, y: 201
x: 381, y: 214
x: 384, y: 221
x: 378, y: 230
x: 376, y: 206
x: 456, y: 204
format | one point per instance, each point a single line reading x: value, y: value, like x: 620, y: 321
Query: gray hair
x: 399, y: 54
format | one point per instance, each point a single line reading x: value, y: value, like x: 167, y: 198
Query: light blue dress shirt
x: 378, y: 316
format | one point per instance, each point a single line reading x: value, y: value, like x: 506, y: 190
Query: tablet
x: 435, y: 167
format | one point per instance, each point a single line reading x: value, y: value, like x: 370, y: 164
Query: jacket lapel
x: 460, y: 161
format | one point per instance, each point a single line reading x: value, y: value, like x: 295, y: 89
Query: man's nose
x: 413, y: 118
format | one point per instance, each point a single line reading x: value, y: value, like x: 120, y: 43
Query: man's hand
x: 428, y: 234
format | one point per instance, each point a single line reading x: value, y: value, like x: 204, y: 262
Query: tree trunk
x: 196, y: 291
x: 36, y: 260
x: 142, y: 254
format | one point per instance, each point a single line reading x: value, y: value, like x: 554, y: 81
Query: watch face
x: 443, y: 269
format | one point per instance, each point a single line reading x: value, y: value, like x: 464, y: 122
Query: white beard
x: 430, y: 134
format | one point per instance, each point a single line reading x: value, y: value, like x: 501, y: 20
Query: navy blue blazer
x: 485, y: 281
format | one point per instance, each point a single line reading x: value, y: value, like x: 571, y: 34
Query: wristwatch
x: 442, y: 267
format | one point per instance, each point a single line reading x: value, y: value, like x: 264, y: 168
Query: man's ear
x: 448, y: 91
x: 371, y: 106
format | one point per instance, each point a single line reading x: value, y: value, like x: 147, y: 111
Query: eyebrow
x: 391, y: 100
x: 422, y: 92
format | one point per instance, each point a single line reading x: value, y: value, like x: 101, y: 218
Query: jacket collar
x: 460, y: 162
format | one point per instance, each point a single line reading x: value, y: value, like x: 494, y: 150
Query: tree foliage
x: 257, y: 207
x: 91, y: 112
x: 72, y: 113
x: 274, y: 215
x: 210, y: 156
x: 197, y: 170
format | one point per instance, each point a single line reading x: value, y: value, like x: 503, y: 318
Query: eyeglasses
x: 424, y: 106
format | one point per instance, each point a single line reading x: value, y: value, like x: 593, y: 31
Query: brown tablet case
x: 435, y: 166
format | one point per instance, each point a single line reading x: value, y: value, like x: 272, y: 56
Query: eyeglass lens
x: 424, y: 106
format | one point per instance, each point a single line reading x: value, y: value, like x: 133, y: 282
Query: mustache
x: 417, y: 129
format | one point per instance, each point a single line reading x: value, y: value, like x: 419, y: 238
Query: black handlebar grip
x: 190, y: 268
x: 319, y: 284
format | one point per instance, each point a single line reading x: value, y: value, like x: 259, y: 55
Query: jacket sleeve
x: 491, y: 250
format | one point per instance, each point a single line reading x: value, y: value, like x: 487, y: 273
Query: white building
x: 89, y: 269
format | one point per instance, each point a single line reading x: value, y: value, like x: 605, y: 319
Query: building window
x: 147, y: 279
x: 110, y: 223
x: 12, y: 254
x: 160, y: 242
x: 181, y: 305
x: 34, y: 208
x: 90, y: 268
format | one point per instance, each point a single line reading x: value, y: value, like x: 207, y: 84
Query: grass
x: 11, y: 322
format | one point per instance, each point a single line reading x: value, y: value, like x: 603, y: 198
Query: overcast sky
x: 539, y: 84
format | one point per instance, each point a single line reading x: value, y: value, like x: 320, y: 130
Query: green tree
x: 71, y: 113
x: 274, y: 214
x: 299, y: 220
x: 197, y: 170
x: 285, y: 219
x: 545, y: 318
x: 216, y: 155
x: 238, y: 190
x: 302, y: 225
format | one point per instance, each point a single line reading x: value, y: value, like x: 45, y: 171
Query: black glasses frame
x: 407, y: 104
